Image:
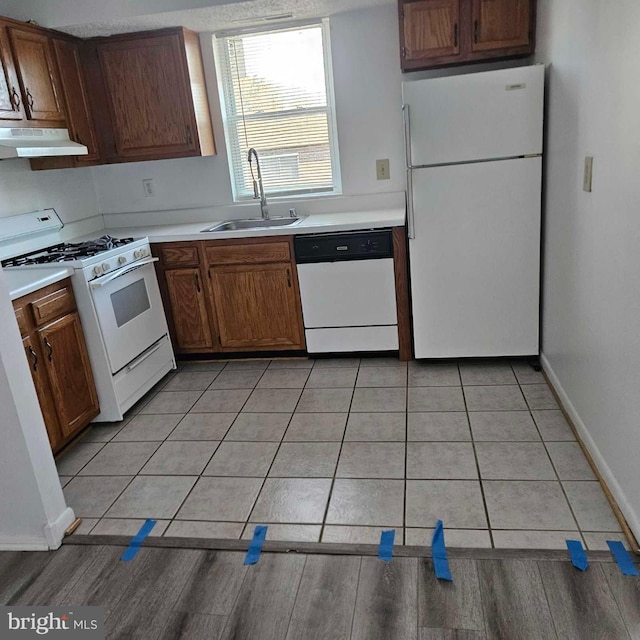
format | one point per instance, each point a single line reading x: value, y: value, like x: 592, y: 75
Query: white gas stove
x: 119, y: 303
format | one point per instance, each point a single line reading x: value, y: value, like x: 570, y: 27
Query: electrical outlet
x: 588, y: 174
x: 382, y: 169
x: 149, y: 188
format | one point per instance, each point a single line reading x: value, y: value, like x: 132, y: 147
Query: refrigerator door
x: 476, y: 116
x: 475, y: 259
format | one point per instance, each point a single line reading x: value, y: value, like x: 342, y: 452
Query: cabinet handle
x: 197, y: 282
x: 455, y: 35
x: 288, y: 277
x: 34, y: 355
x: 189, y: 138
x: 15, y: 98
x: 475, y: 31
x: 29, y: 99
x: 49, y: 348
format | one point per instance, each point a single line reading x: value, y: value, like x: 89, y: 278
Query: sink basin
x: 258, y: 223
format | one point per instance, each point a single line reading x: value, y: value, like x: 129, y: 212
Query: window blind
x: 277, y: 100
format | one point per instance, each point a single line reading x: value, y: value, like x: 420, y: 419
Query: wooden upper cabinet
x: 186, y: 293
x: 430, y: 28
x: 79, y: 117
x: 69, y: 372
x: 436, y: 33
x: 257, y: 306
x: 38, y: 76
x: 156, y: 95
x: 500, y: 24
x: 10, y: 99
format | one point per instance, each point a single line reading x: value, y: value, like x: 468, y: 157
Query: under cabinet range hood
x: 38, y: 143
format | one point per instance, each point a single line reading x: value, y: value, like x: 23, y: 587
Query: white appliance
x: 347, y: 288
x: 38, y: 143
x: 474, y: 171
x: 120, y: 307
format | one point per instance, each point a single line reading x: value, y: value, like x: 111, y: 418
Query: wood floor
x: 192, y: 594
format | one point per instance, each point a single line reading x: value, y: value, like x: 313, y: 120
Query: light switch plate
x: 382, y: 169
x: 149, y: 188
x: 588, y: 174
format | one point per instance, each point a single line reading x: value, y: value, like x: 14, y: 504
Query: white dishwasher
x: 347, y: 286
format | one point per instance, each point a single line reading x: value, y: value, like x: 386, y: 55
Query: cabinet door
x: 10, y: 98
x: 80, y: 120
x: 34, y: 61
x: 257, y: 306
x: 500, y: 24
x: 149, y: 96
x: 69, y: 372
x: 430, y: 29
x: 189, y: 309
x: 39, y: 375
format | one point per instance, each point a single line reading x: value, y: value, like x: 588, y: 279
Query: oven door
x: 129, y: 310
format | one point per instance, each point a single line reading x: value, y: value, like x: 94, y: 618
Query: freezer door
x: 475, y: 259
x: 476, y: 116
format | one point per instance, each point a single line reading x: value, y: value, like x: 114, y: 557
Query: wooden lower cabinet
x: 257, y: 307
x: 231, y: 296
x: 69, y: 372
x: 45, y: 398
x: 188, y: 310
x: 59, y: 362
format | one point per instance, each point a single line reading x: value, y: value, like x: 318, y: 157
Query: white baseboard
x: 54, y: 531
x: 583, y: 433
x: 20, y: 543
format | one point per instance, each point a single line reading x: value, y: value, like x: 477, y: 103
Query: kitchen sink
x: 258, y: 223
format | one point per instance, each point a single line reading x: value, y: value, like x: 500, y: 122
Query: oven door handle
x: 103, y: 280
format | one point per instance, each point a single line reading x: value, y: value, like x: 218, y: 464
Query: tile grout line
x: 475, y: 456
x: 284, y: 433
x: 335, y: 471
x: 555, y: 470
x: 200, y: 476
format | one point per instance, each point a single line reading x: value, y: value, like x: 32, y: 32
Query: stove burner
x: 68, y: 251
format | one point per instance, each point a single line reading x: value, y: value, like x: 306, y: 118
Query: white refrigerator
x: 474, y: 173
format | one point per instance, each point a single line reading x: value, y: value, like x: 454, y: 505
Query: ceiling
x: 226, y: 16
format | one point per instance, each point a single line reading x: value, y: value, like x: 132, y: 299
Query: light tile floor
x: 336, y: 450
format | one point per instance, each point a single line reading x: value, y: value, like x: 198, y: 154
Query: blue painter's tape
x: 623, y: 558
x: 578, y: 555
x: 385, y: 550
x: 255, y: 547
x: 439, y: 553
x: 135, y: 544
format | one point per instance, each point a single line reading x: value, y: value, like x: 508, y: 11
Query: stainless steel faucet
x: 258, y: 187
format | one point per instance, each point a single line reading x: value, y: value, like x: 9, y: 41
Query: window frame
x: 224, y: 71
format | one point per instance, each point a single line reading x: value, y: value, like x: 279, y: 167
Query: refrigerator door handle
x: 407, y: 134
x: 411, y: 227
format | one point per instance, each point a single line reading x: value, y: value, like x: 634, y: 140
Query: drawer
x: 53, y: 305
x: 21, y: 317
x: 179, y: 255
x: 257, y: 253
x: 352, y: 339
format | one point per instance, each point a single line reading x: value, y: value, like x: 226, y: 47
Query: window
x: 278, y: 98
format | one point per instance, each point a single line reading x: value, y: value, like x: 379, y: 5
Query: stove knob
x: 97, y: 270
x: 122, y: 260
x: 137, y: 254
x: 105, y: 266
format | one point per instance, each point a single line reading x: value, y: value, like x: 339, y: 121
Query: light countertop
x: 24, y: 281
x: 317, y: 223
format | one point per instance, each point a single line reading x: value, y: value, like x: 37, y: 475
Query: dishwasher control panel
x: 335, y: 247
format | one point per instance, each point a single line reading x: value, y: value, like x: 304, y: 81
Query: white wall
x: 33, y: 514
x: 591, y: 316
x: 367, y: 82
x: 69, y: 191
